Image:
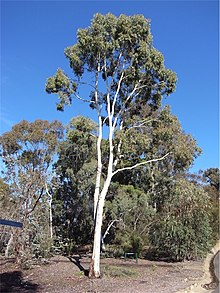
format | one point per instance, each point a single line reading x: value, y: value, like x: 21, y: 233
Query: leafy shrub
x: 183, y: 230
x: 136, y: 244
x: 214, y: 220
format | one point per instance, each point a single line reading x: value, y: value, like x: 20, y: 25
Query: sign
x: 11, y: 223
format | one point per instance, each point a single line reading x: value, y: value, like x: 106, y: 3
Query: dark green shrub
x: 182, y: 230
x: 136, y: 244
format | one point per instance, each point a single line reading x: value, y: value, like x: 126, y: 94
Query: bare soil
x: 63, y: 275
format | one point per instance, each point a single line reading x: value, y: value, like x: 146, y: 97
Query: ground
x: 63, y: 275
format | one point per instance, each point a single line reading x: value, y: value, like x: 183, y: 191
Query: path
x: 206, y: 279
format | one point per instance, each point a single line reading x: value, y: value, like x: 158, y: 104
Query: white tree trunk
x: 50, y: 198
x: 51, y: 217
x: 99, y: 167
x: 10, y: 242
x: 94, y: 270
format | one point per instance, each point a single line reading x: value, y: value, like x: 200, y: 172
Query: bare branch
x: 142, y: 124
x: 107, y: 230
x: 36, y: 202
x: 116, y: 94
x: 119, y: 148
x: 86, y: 83
x: 140, y: 164
x: 123, y: 107
x: 105, y: 120
x: 81, y: 99
x: 136, y: 88
x: 47, y: 191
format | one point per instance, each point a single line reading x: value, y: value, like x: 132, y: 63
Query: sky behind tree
x: 34, y: 35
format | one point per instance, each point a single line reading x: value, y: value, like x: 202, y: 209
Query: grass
x: 118, y: 272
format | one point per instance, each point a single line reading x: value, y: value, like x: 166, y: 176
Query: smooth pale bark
x: 50, y: 198
x: 107, y: 232
x: 50, y: 217
x: 98, y: 145
x: 94, y: 270
x: 99, y: 168
x: 9, y: 245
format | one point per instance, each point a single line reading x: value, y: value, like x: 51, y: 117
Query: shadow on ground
x: 76, y: 261
x: 13, y: 282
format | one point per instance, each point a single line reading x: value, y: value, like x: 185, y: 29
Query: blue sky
x: 35, y: 33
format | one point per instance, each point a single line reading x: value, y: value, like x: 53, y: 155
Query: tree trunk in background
x: 51, y: 217
x: 10, y: 242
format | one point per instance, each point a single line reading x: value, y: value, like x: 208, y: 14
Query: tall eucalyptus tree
x: 116, y: 59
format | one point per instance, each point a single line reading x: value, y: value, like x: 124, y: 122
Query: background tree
x: 212, y: 177
x: 165, y: 135
x: 132, y: 216
x: 27, y: 153
x: 208, y: 180
x: 75, y: 169
x: 183, y: 229
x: 8, y: 210
x: 125, y: 72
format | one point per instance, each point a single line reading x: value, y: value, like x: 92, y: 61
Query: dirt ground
x: 64, y: 275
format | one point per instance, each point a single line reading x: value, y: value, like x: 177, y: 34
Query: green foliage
x: 212, y: 178
x: 27, y: 153
x: 136, y: 244
x: 75, y: 169
x: 214, y: 214
x: 109, y: 47
x: 168, y: 134
x: 152, y: 138
x: 182, y: 230
x: 133, y: 213
x: 61, y: 85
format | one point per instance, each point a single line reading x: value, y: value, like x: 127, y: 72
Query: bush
x: 136, y: 244
x: 183, y: 230
x: 214, y: 220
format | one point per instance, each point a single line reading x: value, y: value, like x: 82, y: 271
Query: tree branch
x: 123, y: 106
x: 118, y: 149
x: 139, y: 164
x: 116, y: 94
x: 141, y: 123
x: 81, y: 99
x: 36, y: 202
x: 107, y: 230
